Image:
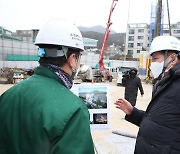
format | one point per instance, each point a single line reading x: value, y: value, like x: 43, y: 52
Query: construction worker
x: 40, y: 115
x: 159, y: 131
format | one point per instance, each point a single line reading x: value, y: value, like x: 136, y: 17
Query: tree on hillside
x: 116, y: 39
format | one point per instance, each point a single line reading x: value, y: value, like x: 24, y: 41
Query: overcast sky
x: 32, y: 14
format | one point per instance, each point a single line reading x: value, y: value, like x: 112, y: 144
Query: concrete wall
x: 16, y: 47
x: 91, y: 60
x: 19, y: 64
x: 24, y: 48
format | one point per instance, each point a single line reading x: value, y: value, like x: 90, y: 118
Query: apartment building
x: 175, y: 30
x: 137, y: 37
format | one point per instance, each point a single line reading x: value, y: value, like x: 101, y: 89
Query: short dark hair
x: 58, y: 61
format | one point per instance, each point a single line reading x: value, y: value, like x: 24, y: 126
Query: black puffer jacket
x: 131, y: 88
x: 159, y: 131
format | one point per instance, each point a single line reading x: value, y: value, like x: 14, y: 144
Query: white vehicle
x: 85, y: 73
x: 121, y: 71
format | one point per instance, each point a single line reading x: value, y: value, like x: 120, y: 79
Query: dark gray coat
x: 159, y: 131
x: 131, y: 88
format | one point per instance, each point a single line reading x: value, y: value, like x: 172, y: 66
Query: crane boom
x: 109, y: 23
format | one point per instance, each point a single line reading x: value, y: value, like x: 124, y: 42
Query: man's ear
x: 175, y: 60
x: 71, y: 59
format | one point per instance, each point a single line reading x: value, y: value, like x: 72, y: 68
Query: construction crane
x: 109, y: 23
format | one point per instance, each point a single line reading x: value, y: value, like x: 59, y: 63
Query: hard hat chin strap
x: 166, y: 65
x: 74, y: 71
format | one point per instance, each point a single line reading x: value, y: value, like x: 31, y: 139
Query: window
x: 130, y: 52
x: 139, y: 44
x: 131, y: 38
x: 130, y: 45
x: 140, y: 30
x: 140, y: 37
x: 165, y: 31
x: 176, y: 31
x: 138, y: 51
x: 131, y: 31
x: 7, y: 32
x: 1, y: 30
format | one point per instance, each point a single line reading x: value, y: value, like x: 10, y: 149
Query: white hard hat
x: 60, y: 32
x: 164, y: 43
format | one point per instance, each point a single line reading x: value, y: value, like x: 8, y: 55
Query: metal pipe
x: 125, y: 53
x: 168, y: 18
x: 158, y: 19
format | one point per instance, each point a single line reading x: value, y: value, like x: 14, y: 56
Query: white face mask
x: 75, y: 70
x: 156, y: 68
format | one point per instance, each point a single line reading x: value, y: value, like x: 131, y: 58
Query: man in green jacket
x: 40, y: 115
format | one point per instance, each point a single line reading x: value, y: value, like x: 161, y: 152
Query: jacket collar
x: 174, y: 73
x: 43, y: 71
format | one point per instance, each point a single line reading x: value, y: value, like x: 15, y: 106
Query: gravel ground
x: 107, y: 142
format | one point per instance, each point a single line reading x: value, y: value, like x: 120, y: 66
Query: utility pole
x: 158, y: 19
x: 168, y: 18
x: 125, y: 53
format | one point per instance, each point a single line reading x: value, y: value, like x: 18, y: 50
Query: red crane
x: 109, y: 23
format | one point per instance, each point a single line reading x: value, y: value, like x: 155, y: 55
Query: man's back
x: 39, y: 115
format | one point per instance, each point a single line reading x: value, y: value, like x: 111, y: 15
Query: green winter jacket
x: 41, y: 116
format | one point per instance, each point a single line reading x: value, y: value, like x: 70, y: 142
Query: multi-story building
x: 137, y: 37
x: 27, y: 35
x: 175, y: 30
